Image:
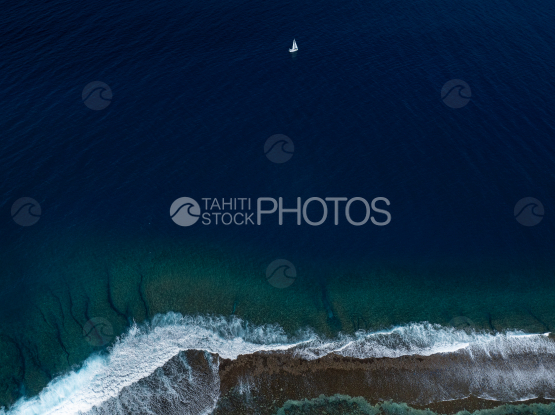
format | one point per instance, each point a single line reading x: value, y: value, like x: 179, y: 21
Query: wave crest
x: 97, y: 386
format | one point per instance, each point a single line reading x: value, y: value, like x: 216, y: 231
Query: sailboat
x: 294, y: 48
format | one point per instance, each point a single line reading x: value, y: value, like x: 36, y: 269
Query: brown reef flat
x: 265, y: 381
x: 268, y: 382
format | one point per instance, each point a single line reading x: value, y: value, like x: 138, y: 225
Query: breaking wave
x: 100, y: 384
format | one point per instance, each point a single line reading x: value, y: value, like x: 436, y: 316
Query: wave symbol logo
x: 462, y: 323
x: 529, y: 211
x: 98, y: 331
x: 97, y: 95
x: 456, y: 93
x: 185, y: 211
x: 279, y: 148
x: 281, y: 273
x: 26, y: 211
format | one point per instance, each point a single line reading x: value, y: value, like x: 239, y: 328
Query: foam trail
x: 140, y: 352
x: 144, y: 349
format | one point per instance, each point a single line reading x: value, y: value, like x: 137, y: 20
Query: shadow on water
x: 333, y: 322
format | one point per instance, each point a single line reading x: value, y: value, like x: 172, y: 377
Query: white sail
x: 294, y: 48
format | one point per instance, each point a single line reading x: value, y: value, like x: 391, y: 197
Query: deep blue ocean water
x: 199, y: 86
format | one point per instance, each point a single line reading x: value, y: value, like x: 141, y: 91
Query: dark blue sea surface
x: 198, y: 87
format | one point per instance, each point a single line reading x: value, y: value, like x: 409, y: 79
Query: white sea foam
x: 144, y: 349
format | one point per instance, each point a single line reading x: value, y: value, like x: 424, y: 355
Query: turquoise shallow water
x: 137, y: 276
x: 341, y: 404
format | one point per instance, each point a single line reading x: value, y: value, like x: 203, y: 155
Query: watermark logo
x: 529, y: 211
x: 462, y: 323
x: 26, y: 211
x: 185, y: 211
x: 98, y: 331
x: 300, y: 211
x: 281, y: 273
x: 456, y: 93
x: 97, y: 95
x: 279, y: 148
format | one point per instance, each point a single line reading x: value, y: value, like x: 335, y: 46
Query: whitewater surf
x: 185, y: 364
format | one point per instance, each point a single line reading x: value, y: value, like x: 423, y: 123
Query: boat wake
x: 139, y: 373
